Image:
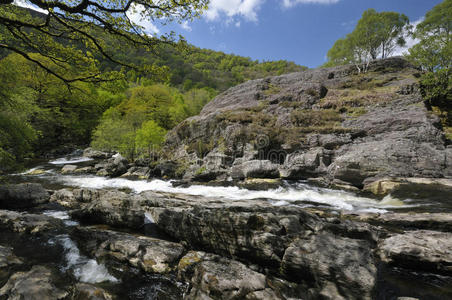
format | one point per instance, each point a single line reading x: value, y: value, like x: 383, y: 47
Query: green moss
x: 200, y: 170
x: 272, y: 90
x: 308, y: 118
x: 356, y: 111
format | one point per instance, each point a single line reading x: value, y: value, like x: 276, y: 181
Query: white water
x: 84, y: 269
x: 62, y: 215
x: 279, y: 197
x: 73, y: 160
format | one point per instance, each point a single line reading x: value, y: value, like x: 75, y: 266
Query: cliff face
x: 331, y: 123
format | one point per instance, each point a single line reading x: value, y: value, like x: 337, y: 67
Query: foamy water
x: 62, y: 215
x: 84, y: 269
x: 279, y: 197
x: 73, y: 160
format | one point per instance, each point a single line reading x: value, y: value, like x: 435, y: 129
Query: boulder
x: 137, y: 172
x: 341, y: 263
x: 23, y: 195
x: 67, y: 169
x: 35, y: 284
x: 214, y: 277
x: 259, y: 169
x: 419, y: 250
x: 96, y: 154
x: 85, y: 291
x: 7, y: 262
x: 148, y: 254
x: 24, y: 223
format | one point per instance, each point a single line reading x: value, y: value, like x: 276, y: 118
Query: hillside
x: 331, y: 124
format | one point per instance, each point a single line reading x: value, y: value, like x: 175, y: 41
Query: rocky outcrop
x: 330, y: 123
x: 23, y: 195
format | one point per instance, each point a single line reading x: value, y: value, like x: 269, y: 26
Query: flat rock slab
x: 420, y: 250
x: 429, y: 221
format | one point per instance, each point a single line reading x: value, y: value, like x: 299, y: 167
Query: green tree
x: 150, y: 136
x: 376, y: 34
x: 433, y: 54
x: 65, y: 25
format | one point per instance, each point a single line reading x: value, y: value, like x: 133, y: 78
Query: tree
x: 434, y: 50
x: 376, y: 34
x: 74, y: 32
x: 150, y: 136
x: 433, y: 54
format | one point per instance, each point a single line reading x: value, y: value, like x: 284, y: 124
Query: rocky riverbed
x: 70, y: 235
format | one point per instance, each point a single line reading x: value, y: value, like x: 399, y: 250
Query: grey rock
x: 85, y: 291
x: 35, y: 284
x: 23, y: 195
x: 260, y: 169
x: 67, y: 169
x: 96, y: 154
x: 149, y: 254
x: 24, y: 223
x: 420, y: 249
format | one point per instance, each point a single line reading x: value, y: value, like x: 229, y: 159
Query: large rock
x: 7, y: 262
x: 149, y: 254
x: 23, y: 195
x: 84, y: 291
x: 214, y: 277
x: 23, y: 223
x: 259, y: 169
x: 419, y: 250
x: 96, y: 154
x: 35, y: 284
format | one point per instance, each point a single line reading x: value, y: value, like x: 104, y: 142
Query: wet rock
x: 324, y: 259
x: 260, y: 169
x: 305, y: 164
x: 85, y: 170
x: 24, y: 223
x: 410, y: 221
x: 84, y: 291
x: 260, y: 184
x: 148, y: 254
x: 23, y: 195
x: 67, y: 169
x: 419, y: 250
x: 7, y: 261
x: 137, y: 172
x: 389, y: 185
x: 165, y: 169
x: 214, y: 277
x: 96, y: 154
x: 35, y: 284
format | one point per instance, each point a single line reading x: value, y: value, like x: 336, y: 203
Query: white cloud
x: 186, y: 26
x: 243, y: 8
x: 134, y: 14
x: 290, y: 3
x: 24, y: 3
x: 410, y: 42
x: 237, y: 24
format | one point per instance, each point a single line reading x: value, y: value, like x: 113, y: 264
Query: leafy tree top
x: 71, y: 32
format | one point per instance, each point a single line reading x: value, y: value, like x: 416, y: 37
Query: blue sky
x: 296, y: 30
